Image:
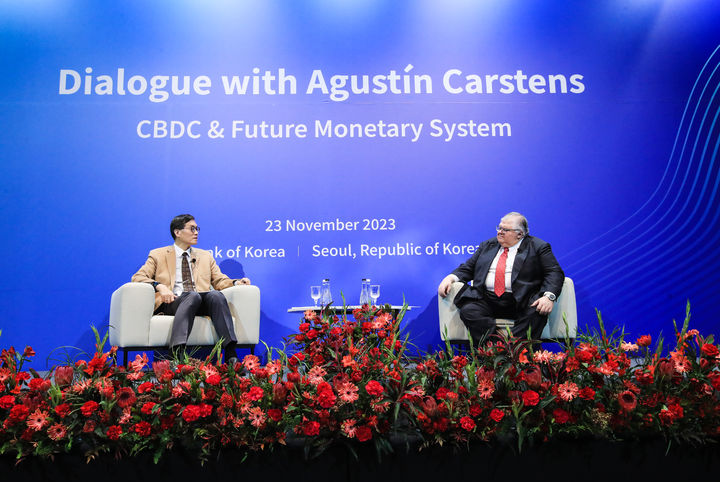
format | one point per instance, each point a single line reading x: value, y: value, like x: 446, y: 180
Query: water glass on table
x: 315, y: 294
x: 374, y: 293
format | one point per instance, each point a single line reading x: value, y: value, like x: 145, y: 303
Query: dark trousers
x: 190, y: 304
x: 479, y: 316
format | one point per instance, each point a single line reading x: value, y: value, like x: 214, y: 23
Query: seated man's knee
x: 215, y: 297
x: 192, y: 298
x: 470, y: 312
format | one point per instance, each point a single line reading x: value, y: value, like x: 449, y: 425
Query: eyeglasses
x: 505, y: 230
x: 193, y: 229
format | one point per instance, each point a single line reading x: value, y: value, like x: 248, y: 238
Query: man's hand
x: 166, y: 295
x: 543, y: 305
x: 242, y: 281
x: 446, y: 284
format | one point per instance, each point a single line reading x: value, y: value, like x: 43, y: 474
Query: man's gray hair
x: 522, y: 223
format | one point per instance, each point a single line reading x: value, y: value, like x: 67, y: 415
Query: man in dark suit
x: 183, y: 278
x: 515, y: 276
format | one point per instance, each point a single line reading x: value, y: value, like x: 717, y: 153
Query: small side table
x: 348, y: 309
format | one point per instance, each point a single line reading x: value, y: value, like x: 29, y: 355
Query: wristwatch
x: 154, y: 285
x: 550, y: 296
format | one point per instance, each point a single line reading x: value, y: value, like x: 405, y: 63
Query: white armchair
x: 133, y: 326
x: 453, y: 329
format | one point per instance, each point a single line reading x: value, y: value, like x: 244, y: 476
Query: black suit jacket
x: 535, y: 271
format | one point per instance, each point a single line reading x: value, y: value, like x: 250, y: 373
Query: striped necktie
x: 186, y: 276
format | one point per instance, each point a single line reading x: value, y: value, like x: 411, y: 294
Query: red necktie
x: 500, y: 273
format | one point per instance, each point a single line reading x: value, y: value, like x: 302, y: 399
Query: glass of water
x: 374, y: 293
x: 315, y: 294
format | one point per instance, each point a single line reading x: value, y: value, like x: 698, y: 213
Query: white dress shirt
x: 490, y: 279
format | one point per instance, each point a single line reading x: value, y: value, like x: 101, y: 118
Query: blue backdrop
x: 597, y: 120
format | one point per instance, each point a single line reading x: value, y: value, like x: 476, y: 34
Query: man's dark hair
x: 179, y: 222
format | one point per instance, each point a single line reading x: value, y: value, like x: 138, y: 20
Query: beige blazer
x: 160, y: 267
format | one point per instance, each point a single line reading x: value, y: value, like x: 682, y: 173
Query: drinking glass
x: 315, y: 294
x: 374, y: 293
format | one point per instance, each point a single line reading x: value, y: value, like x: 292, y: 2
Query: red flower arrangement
x: 350, y: 381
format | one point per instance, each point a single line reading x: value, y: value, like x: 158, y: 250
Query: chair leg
x: 125, y: 357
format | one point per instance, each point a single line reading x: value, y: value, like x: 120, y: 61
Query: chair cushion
x: 202, y: 333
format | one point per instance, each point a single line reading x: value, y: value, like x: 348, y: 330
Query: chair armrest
x: 451, y: 326
x: 565, y: 305
x: 131, y: 308
x: 244, y: 303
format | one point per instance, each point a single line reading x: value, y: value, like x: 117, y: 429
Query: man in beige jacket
x: 183, y: 278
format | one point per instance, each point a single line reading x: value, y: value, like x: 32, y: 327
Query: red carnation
x: 467, y: 423
x: 715, y: 380
x: 62, y: 410
x: 142, y: 428
x: 311, y: 428
x: 627, y: 401
x: 374, y: 388
x: 363, y: 433
x: 39, y: 384
x: 676, y: 410
x: 326, y: 398
x: 18, y: 413
x: 226, y: 400
x: 145, y: 387
x: 275, y: 414
x: 586, y: 393
x: 666, y: 417
x: 255, y: 394
x: 97, y: 363
x: 114, y: 432
x: 560, y: 416
x: 205, y: 410
x: 147, y: 408
x: 459, y: 362
x: 644, y: 340
x: 89, y: 408
x: 304, y: 327
x: 497, y: 414
x: 441, y: 393
x: 213, y: 379
x: 530, y: 398
x: 709, y: 350
x: 583, y: 356
x: 295, y: 359
x: 191, y: 413
x: 7, y: 401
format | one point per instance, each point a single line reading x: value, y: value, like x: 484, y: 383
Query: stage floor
x: 577, y: 461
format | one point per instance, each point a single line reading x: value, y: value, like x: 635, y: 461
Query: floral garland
x: 351, y: 381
